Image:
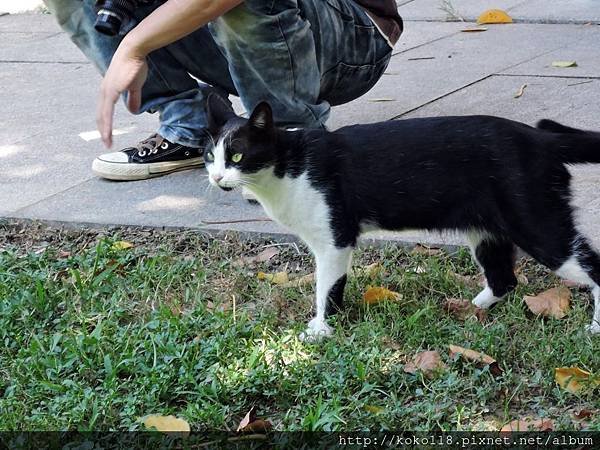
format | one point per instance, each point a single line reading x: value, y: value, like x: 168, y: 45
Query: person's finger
x: 134, y: 100
x: 106, y: 108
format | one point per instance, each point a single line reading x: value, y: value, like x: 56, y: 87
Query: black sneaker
x: 153, y: 157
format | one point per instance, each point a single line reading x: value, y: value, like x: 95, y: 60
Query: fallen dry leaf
x: 64, y: 254
x: 421, y: 249
x: 574, y: 379
x: 377, y: 294
x: 251, y: 424
x: 520, y: 91
x: 476, y: 357
x: 122, y: 245
x: 264, y: 256
x: 551, y: 303
x: 494, y: 16
x: 473, y: 30
x: 582, y: 414
x: 564, y: 64
x: 167, y: 424
x: 529, y: 424
x: 463, y: 309
x: 428, y: 362
x: 275, y: 278
x: 306, y: 280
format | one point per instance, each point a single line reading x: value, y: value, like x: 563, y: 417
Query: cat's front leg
x: 332, y: 266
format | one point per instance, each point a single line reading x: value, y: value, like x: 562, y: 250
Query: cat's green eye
x: 237, y: 157
x: 210, y: 156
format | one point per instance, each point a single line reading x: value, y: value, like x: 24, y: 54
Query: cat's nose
x: 217, y: 178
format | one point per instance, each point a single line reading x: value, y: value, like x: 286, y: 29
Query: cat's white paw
x: 317, y: 329
x: 485, y: 299
x: 593, y: 328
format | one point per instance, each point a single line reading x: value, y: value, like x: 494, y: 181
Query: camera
x: 112, y: 15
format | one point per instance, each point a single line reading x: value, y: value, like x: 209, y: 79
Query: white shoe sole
x: 134, y: 171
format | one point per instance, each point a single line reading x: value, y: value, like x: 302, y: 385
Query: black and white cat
x: 502, y: 183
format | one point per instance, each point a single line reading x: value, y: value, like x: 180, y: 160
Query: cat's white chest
x: 297, y: 205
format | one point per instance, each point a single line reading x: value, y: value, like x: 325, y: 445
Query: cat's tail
x: 575, y: 146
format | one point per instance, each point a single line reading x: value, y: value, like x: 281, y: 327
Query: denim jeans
x: 302, y: 56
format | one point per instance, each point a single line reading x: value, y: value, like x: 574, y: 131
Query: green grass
x: 92, y: 337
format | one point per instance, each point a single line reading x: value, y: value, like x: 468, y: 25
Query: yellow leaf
x: 275, y: 278
x: 574, y: 379
x: 122, y: 245
x: 563, y: 64
x: 167, y: 424
x: 494, y: 16
x: 377, y: 294
x: 374, y: 409
x: 551, y: 303
x: 302, y: 281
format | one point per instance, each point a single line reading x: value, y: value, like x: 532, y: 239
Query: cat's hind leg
x: 584, y: 267
x: 332, y: 267
x: 496, y: 257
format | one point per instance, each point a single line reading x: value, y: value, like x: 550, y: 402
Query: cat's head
x: 240, y: 148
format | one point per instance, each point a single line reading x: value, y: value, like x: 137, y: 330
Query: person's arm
x: 128, y: 70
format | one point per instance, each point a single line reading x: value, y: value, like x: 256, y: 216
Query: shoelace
x: 151, y: 145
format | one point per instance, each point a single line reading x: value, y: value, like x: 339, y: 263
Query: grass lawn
x: 93, y: 336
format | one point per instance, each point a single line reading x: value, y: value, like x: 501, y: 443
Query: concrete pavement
x: 47, y: 139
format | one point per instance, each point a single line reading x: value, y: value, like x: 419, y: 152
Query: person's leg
x: 170, y: 90
x: 301, y: 55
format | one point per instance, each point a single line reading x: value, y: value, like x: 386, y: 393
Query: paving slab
x: 585, y: 52
x: 425, y: 73
x: 45, y: 164
x: 19, y: 6
x: 557, y: 11
x: 529, y: 11
x: 27, y: 23
x: 39, y: 47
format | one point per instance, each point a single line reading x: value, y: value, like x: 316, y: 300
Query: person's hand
x: 127, y: 73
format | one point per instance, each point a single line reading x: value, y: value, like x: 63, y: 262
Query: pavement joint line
x: 45, y: 199
x: 441, y: 97
x: 400, y: 52
x: 568, y: 77
x: 469, y: 20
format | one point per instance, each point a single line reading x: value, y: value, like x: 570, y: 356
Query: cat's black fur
x: 468, y: 173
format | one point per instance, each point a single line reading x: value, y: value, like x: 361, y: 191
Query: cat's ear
x: 218, y: 112
x: 262, y: 117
